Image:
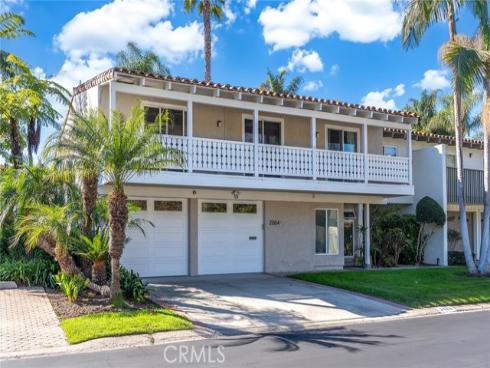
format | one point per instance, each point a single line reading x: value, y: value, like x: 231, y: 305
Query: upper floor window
x: 342, y: 140
x: 270, y: 132
x: 390, y: 151
x: 175, y: 124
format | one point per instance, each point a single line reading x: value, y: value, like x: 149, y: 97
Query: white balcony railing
x: 220, y: 156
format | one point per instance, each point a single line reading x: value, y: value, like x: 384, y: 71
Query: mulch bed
x: 88, y: 303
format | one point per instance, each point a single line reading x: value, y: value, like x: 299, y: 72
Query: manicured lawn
x: 93, y: 326
x: 422, y: 287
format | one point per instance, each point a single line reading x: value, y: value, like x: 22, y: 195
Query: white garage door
x: 230, y: 237
x: 163, y: 251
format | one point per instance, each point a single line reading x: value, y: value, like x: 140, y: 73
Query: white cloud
x: 313, y: 85
x: 334, y: 69
x: 297, y: 22
x: 250, y: 5
x: 303, y: 60
x: 399, y: 90
x: 39, y: 72
x: 229, y: 14
x: 108, y: 29
x: 73, y: 71
x: 434, y: 79
x: 385, y: 98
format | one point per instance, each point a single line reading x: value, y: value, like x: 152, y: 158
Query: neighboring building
x: 272, y: 182
x: 434, y: 175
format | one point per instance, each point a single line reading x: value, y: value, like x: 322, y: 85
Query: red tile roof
x: 433, y: 138
x: 109, y: 74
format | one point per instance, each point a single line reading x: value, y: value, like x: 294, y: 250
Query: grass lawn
x: 93, y: 326
x: 421, y: 287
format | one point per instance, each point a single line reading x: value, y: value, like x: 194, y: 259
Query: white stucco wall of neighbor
x: 429, y: 179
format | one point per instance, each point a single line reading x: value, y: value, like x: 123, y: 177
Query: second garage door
x: 230, y: 237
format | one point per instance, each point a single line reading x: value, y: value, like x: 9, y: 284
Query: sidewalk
x: 28, y: 321
x: 29, y: 327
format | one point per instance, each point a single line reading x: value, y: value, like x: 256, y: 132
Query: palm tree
x: 43, y: 205
x: 443, y: 120
x: 471, y: 58
x: 207, y: 9
x: 12, y: 26
x: 134, y: 58
x: 130, y: 148
x: 96, y: 250
x: 26, y: 99
x: 277, y: 83
x: 425, y: 107
x: 419, y: 16
x: 79, y: 147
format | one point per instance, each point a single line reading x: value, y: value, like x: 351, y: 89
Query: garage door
x: 163, y: 251
x: 230, y: 237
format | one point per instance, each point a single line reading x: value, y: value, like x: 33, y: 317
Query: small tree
x: 430, y: 216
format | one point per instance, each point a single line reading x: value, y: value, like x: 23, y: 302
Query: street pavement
x: 452, y: 340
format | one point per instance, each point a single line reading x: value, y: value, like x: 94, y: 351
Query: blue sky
x: 344, y: 49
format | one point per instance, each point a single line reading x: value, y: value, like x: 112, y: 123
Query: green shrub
x: 71, y: 286
x: 430, y: 215
x: 430, y: 212
x: 387, y: 227
x: 36, y: 271
x: 132, y: 286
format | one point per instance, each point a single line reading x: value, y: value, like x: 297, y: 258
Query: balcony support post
x: 409, y: 148
x: 189, y: 136
x: 367, y: 237
x: 313, y: 147
x: 112, y: 101
x: 477, y: 222
x: 256, y: 142
x: 365, y: 151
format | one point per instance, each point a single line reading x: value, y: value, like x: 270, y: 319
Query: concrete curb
x: 112, y: 343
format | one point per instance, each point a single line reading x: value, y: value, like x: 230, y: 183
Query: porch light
x: 219, y: 123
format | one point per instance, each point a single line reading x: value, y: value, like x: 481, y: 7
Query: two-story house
x: 271, y: 182
x: 434, y: 175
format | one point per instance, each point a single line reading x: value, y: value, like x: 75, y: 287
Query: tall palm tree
x: 12, y: 26
x: 277, y: 83
x: 475, y: 61
x: 443, y: 120
x: 136, y: 59
x: 425, y: 106
x: 130, y: 148
x: 419, y: 16
x: 207, y: 9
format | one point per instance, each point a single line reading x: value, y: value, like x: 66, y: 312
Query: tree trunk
x: 458, y: 129
x: 484, y: 265
x: 89, y: 199
x: 118, y: 218
x: 206, y: 11
x: 65, y: 260
x: 99, y: 274
x: 15, y: 146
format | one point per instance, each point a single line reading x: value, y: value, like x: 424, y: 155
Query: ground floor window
x: 327, y: 231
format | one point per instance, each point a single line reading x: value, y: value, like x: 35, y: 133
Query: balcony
x: 473, y: 186
x: 285, y: 167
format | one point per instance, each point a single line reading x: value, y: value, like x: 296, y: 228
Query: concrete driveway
x: 236, y: 304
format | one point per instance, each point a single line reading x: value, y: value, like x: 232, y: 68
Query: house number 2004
x: 274, y: 222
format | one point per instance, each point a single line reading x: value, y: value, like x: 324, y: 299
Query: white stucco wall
x: 473, y: 157
x: 429, y: 178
